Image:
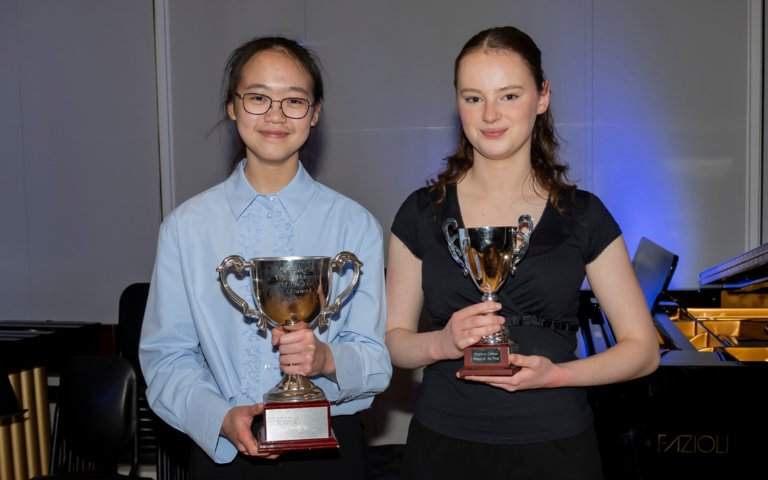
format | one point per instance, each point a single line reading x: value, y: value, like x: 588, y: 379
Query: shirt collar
x: 295, y: 196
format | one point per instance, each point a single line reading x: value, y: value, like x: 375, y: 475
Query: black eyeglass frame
x: 272, y: 101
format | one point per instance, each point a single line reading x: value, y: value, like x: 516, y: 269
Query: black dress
x: 540, y: 303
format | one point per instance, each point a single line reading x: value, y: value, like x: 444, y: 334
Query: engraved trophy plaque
x: 292, y: 293
x: 489, y: 255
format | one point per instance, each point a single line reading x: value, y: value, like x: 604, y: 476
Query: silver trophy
x: 292, y: 293
x: 489, y: 255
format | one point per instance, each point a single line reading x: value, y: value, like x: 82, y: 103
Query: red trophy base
x: 489, y: 360
x: 296, y: 426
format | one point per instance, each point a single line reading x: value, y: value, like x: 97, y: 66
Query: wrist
x: 329, y: 363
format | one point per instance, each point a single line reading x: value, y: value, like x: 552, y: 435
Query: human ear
x: 315, y: 114
x: 231, y: 111
x: 544, y: 96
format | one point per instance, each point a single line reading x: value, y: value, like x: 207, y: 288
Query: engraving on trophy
x: 486, y: 356
x: 296, y: 424
x: 489, y: 255
x: 292, y: 293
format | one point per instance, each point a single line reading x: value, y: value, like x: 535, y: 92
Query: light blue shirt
x: 201, y: 356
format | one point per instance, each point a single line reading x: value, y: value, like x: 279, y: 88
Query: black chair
x: 94, y: 430
x: 133, y: 302
x: 158, y: 443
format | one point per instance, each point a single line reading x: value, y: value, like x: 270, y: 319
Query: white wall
x: 79, y: 163
x: 655, y: 101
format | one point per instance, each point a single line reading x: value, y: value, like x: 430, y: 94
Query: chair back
x: 130, y: 316
x: 96, y: 416
x: 158, y: 442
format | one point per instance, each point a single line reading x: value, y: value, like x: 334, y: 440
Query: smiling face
x: 273, y: 138
x: 498, y: 101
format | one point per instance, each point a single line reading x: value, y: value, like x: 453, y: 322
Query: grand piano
x: 702, y: 414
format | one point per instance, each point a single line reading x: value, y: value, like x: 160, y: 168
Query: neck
x: 501, y: 180
x: 268, y: 178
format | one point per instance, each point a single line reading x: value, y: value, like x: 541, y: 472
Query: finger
x: 267, y: 455
x: 483, y: 308
x: 483, y: 330
x: 298, y: 348
x: 249, y: 446
x: 518, y: 360
x: 487, y: 319
x: 494, y: 381
x: 277, y: 333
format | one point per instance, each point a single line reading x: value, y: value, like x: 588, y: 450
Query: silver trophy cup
x: 292, y: 293
x: 489, y: 255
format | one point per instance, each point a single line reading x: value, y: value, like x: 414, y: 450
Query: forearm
x: 409, y: 349
x: 627, y: 360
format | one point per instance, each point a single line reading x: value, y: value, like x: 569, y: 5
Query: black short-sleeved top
x: 540, y: 304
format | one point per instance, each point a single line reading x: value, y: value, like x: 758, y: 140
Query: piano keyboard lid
x: 741, y: 271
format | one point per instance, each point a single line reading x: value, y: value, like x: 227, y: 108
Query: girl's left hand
x: 301, y: 352
x: 535, y: 372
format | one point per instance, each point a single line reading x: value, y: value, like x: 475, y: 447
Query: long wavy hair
x: 549, y: 174
x: 234, y: 70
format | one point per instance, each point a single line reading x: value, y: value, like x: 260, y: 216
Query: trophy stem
x: 489, y: 296
x: 294, y: 388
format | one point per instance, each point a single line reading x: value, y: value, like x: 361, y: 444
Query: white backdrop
x: 658, y: 104
x: 655, y: 101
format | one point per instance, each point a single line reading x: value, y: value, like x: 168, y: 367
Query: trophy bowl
x: 292, y: 293
x: 489, y: 255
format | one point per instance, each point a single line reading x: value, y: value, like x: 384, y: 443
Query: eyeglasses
x: 259, y: 104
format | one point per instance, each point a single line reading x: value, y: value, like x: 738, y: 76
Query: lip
x: 493, y: 133
x: 273, y: 133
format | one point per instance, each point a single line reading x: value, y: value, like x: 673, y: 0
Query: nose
x: 490, y: 112
x: 275, y: 112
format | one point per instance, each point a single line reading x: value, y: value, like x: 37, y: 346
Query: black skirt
x: 349, y: 461
x: 430, y: 455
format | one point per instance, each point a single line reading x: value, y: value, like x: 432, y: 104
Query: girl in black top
x: 537, y: 423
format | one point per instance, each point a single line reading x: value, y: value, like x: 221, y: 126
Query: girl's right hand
x: 467, y: 326
x: 237, y: 428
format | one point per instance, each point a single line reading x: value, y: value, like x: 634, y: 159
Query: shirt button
x: 269, y: 215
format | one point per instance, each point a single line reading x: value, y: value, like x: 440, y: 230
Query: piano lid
x: 740, y: 271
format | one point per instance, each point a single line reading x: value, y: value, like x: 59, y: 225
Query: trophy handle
x: 338, y: 261
x: 525, y: 221
x: 452, y: 241
x: 238, y: 264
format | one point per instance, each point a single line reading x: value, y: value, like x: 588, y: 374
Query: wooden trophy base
x: 296, y: 426
x: 489, y: 360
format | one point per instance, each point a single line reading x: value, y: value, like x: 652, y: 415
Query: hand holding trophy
x: 489, y: 255
x: 292, y: 293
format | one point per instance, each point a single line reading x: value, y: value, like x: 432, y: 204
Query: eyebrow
x: 502, y: 89
x: 267, y: 87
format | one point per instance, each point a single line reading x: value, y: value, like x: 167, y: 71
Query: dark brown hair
x: 548, y: 172
x: 242, y: 54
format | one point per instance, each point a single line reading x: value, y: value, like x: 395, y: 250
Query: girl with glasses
x: 207, y: 366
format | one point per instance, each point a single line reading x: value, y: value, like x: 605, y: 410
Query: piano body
x: 703, y: 414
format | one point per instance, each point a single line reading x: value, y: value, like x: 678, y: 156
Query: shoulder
x: 342, y: 205
x: 589, y: 222
x: 578, y: 204
x: 203, y: 211
x: 419, y: 201
x: 203, y: 203
x: 328, y: 194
